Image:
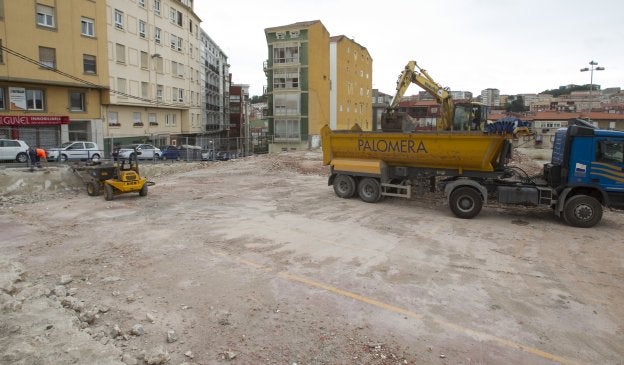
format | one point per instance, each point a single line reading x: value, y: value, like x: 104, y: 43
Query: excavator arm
x: 414, y: 74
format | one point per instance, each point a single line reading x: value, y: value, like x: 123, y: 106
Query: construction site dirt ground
x: 256, y: 261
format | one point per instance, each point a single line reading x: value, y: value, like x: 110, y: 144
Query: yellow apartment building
x: 298, y: 84
x: 351, y: 91
x: 53, y: 78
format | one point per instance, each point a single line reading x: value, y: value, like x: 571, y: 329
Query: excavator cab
x: 469, y: 116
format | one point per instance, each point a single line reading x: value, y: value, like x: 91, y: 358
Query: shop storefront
x: 35, y: 130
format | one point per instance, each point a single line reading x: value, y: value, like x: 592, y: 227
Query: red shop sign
x: 34, y: 120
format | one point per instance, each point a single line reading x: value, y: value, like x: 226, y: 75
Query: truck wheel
x: 95, y: 157
x: 108, y: 192
x: 369, y: 190
x: 63, y: 158
x: 465, y: 202
x: 344, y: 186
x: 143, y: 191
x: 93, y: 188
x: 582, y: 211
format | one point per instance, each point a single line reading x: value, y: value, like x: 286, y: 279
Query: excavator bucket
x: 394, y: 121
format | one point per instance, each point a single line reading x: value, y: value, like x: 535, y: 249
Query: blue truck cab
x: 586, y: 172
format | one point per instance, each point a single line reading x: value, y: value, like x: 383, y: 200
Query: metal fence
x: 200, y: 148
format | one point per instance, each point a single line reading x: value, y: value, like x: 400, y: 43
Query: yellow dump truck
x: 376, y: 164
x: 470, y: 167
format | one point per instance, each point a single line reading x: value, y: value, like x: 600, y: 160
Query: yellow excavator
x: 464, y: 116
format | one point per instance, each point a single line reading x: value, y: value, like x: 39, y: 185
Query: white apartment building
x: 216, y: 87
x: 490, y: 97
x: 155, y: 70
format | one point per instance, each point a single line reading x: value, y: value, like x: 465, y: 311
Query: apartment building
x: 53, y: 73
x: 381, y: 102
x: 216, y: 87
x: 490, y: 97
x: 239, y: 118
x: 298, y: 84
x: 155, y: 67
x: 350, y: 70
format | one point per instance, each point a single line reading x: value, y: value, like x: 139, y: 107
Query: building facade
x: 155, y: 65
x: 239, y: 119
x: 216, y: 88
x: 380, y: 102
x: 298, y: 84
x: 350, y: 70
x: 53, y: 73
x: 490, y: 97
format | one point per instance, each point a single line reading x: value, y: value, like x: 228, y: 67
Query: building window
x: 159, y: 93
x: 151, y: 118
x: 2, y: 102
x: 141, y: 3
x: 76, y: 101
x: 89, y: 64
x: 144, y: 90
x: 177, y: 94
x: 119, y: 24
x: 120, y: 52
x: 113, y: 120
x: 280, y: 35
x: 34, y: 100
x: 1, y: 53
x: 142, y: 27
x: 136, y: 119
x: 144, y: 60
x: 286, y: 104
x: 47, y: 57
x: 170, y: 119
x: 121, y: 87
x: 87, y: 27
x: 286, y: 78
x: 176, y: 43
x: 286, y: 55
x: 177, y: 69
x: 157, y: 35
x: 157, y: 7
x: 287, y: 130
x: 294, y: 34
x: 175, y: 16
x: 45, y: 16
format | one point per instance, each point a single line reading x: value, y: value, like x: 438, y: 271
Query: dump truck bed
x: 473, y: 151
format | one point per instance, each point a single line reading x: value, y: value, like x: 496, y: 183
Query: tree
x: 259, y: 99
x: 516, y: 105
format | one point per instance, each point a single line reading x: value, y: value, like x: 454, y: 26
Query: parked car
x: 190, y: 152
x: 223, y: 155
x: 169, y: 153
x: 78, y: 150
x: 208, y: 155
x: 13, y: 149
x: 148, y: 151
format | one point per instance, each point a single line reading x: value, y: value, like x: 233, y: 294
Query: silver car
x: 78, y: 150
x: 148, y: 151
x: 13, y: 149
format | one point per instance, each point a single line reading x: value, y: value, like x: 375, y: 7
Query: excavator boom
x: 392, y: 120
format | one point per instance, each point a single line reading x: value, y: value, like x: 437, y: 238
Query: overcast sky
x: 516, y: 46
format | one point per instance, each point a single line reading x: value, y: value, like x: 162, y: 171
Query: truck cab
x: 587, y: 172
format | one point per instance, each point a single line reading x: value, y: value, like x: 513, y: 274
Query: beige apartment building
x: 351, y: 68
x: 53, y: 77
x: 154, y: 61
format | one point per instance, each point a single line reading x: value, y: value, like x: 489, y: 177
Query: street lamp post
x: 591, y: 83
